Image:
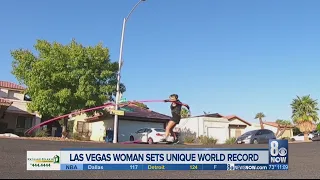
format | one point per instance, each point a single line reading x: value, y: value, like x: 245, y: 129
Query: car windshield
x: 160, y: 130
x: 248, y: 133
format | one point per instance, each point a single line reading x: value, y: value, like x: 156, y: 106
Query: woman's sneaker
x: 164, y: 139
x: 176, y: 141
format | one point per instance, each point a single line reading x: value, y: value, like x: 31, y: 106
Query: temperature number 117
x: 133, y: 167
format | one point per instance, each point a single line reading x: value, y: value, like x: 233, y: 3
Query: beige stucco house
x: 134, y: 118
x: 237, y: 126
x: 214, y: 125
x: 14, y: 117
x: 273, y: 126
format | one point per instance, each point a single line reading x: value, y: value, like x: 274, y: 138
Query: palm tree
x: 259, y: 116
x: 205, y: 113
x: 304, y: 114
x: 282, y: 127
x: 184, y: 113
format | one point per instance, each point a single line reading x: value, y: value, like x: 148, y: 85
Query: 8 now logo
x: 278, y: 151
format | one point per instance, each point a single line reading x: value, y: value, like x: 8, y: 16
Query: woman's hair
x: 174, y: 95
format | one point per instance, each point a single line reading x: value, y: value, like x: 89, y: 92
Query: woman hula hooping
x: 176, y: 106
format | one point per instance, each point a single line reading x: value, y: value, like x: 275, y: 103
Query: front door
x: 238, y: 133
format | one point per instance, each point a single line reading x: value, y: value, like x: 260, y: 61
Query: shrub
x: 205, y: 140
x: 187, y: 136
x: 189, y: 139
x: 76, y: 136
x: 231, y: 140
x: 65, y: 134
x: 80, y: 137
x: 288, y: 138
x: 42, y: 133
x: 85, y: 138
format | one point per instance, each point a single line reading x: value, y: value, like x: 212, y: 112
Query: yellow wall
x: 97, y: 128
x: 287, y: 133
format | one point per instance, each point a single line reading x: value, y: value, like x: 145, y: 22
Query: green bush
x: 79, y: 137
x: 287, y: 138
x: 231, y: 140
x: 187, y: 136
x: 189, y: 139
x: 205, y: 140
x: 42, y: 133
x: 85, y: 138
x: 76, y: 136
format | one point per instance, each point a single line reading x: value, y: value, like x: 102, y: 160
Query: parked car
x: 315, y: 132
x: 260, y: 136
x: 150, y: 135
x: 300, y: 137
x: 316, y: 136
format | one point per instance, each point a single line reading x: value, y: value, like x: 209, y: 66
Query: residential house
x: 214, y: 126
x: 237, y: 126
x: 14, y: 117
x: 273, y: 126
x: 134, y: 118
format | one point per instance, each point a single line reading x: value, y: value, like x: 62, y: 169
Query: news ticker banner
x: 273, y: 158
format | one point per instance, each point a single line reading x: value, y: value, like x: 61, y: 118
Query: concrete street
x: 304, y: 162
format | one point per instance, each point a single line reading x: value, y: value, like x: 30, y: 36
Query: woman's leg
x: 172, y: 133
x: 170, y: 126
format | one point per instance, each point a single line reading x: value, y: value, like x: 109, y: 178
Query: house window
x: 82, y: 127
x: 24, y: 122
x: 11, y: 94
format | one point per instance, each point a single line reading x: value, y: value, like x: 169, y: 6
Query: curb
x: 192, y: 144
x: 298, y: 142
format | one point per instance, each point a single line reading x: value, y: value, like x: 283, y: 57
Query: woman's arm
x: 176, y: 102
x: 186, y: 105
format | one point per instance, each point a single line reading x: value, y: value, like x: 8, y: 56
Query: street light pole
x: 116, y: 117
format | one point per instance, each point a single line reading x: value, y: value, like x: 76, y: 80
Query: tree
x: 296, y: 131
x: 304, y: 114
x: 283, y: 125
x: 62, y: 78
x: 259, y: 116
x: 141, y: 105
x: 184, y: 113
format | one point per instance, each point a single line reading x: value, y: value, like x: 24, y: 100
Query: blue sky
x: 231, y: 57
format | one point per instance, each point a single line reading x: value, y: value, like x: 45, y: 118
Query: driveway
x: 304, y: 162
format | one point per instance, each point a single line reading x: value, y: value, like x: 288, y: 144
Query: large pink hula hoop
x: 83, y: 111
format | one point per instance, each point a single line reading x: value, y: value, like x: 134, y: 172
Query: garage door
x: 217, y: 133
x: 126, y: 128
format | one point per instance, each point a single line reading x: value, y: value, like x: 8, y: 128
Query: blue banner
x: 175, y: 167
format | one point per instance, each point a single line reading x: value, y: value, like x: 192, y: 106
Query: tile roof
x: 216, y: 115
x: 274, y: 124
x: 231, y: 117
x: 132, y: 110
x: 144, y: 113
x: 11, y: 85
x: 5, y: 102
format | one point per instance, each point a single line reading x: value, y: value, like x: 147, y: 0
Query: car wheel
x: 150, y: 141
x: 255, y: 141
x: 131, y: 138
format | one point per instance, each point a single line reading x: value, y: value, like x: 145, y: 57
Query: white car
x: 300, y: 137
x: 9, y: 135
x: 150, y: 135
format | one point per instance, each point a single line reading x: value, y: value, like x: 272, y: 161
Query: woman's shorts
x: 176, y: 119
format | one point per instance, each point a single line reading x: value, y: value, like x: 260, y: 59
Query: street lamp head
x: 143, y: 0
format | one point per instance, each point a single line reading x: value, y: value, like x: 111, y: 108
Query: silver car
x: 260, y: 136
